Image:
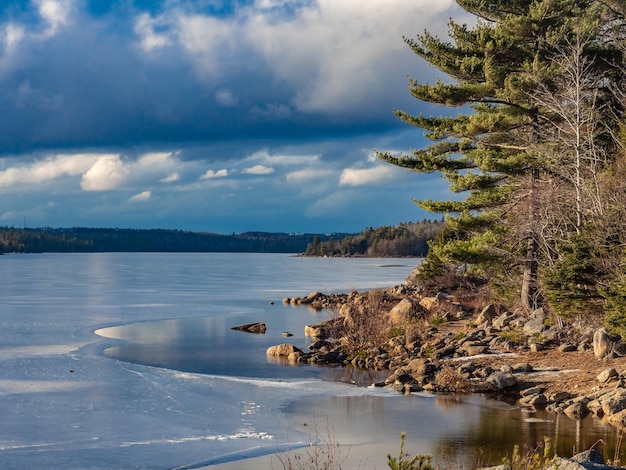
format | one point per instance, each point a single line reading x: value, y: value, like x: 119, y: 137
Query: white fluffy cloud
x: 367, y: 176
x: 55, y: 13
x: 210, y: 174
x: 141, y: 197
x: 258, y: 170
x: 107, y: 172
x: 48, y: 169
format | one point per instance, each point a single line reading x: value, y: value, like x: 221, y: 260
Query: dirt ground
x: 574, y: 372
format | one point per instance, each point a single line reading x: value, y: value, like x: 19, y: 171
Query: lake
x: 165, y: 382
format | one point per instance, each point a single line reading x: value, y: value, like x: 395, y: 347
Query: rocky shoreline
x: 446, y: 345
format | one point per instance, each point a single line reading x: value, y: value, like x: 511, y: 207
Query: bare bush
x: 322, y: 452
x: 365, y: 324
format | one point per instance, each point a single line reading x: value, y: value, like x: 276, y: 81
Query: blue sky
x: 209, y: 115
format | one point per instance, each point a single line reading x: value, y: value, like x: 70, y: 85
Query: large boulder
x: 502, y: 380
x: 487, y: 314
x: 282, y: 350
x: 401, y: 312
x: 536, y: 323
x: 604, y: 344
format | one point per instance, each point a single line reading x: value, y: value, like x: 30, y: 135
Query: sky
x: 211, y: 115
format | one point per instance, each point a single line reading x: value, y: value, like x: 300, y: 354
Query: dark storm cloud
x: 86, y: 75
x: 210, y: 115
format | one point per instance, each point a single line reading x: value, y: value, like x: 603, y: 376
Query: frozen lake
x: 190, y: 391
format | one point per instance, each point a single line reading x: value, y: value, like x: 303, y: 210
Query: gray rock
x: 504, y: 320
x: 567, y: 347
x: 536, y: 324
x: 502, y: 380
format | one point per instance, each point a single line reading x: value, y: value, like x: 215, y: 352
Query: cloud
x: 141, y: 197
x: 172, y: 178
x: 367, y: 176
x: 56, y: 13
x: 226, y: 98
x: 149, y: 39
x: 258, y: 170
x: 108, y: 172
x: 48, y: 169
x: 307, y: 175
x: 210, y: 174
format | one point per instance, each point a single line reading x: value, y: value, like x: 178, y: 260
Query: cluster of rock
x: 444, y: 360
x: 588, y: 460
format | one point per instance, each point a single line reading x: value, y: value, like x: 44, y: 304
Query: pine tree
x: 494, y: 154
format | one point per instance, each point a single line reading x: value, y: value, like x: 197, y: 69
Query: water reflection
x: 461, y: 430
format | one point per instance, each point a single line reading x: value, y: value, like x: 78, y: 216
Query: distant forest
x: 405, y: 239
x: 89, y: 240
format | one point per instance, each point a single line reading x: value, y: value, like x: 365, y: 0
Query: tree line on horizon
x: 89, y: 240
x: 538, y: 149
x: 407, y: 239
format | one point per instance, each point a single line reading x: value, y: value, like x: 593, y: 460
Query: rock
x: 524, y: 367
x: 401, y: 312
x: 421, y: 370
x: 295, y: 356
x: 472, y: 349
x: 565, y: 347
x: 603, y: 343
x: 502, y: 380
x: 286, y: 334
x: 286, y: 300
x: 537, y: 400
x: 559, y: 397
x: 577, y: 410
x: 258, y: 328
x: 618, y: 419
x: 312, y: 297
x: 320, y: 330
x: 504, y: 320
x: 282, y: 350
x: 429, y: 303
x: 536, y: 347
x: 532, y: 391
x: 487, y: 314
x: 613, y: 402
x: 606, y: 375
x: 536, y: 324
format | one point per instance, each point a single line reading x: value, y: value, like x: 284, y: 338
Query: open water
x: 127, y: 360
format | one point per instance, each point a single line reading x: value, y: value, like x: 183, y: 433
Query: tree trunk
x: 529, y: 294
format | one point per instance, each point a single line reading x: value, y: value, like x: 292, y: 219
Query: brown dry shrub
x: 450, y: 380
x: 365, y: 323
